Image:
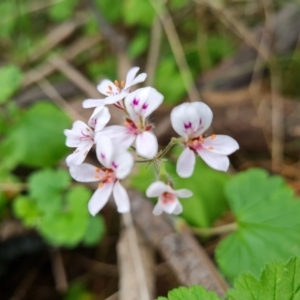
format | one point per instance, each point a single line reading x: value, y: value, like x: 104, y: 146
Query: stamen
x: 211, y: 148
x: 97, y: 170
x: 110, y: 88
x: 117, y: 83
x: 100, y: 185
x: 212, y: 137
x: 122, y: 83
x: 96, y: 176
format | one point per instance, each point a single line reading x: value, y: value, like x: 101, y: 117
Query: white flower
x: 139, y: 105
x: 190, y: 120
x: 167, y: 198
x: 116, y: 91
x: 81, y: 136
x: 117, y: 164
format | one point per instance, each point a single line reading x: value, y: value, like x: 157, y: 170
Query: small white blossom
x: 167, y: 198
x: 116, y: 91
x: 117, y: 164
x: 81, y: 136
x: 190, y: 120
x: 139, y: 105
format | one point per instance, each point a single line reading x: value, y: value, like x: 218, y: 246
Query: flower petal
x: 107, y: 88
x: 140, y: 78
x: 155, y: 189
x: 119, y: 135
x: 221, y: 144
x: 205, y: 117
x: 214, y: 160
x: 142, y: 102
x: 168, y: 207
x: 121, y: 198
x: 73, y: 135
x: 115, y: 98
x: 130, y: 77
x: 184, y: 193
x: 122, y: 163
x: 104, y: 150
x: 86, y: 173
x: 146, y: 144
x: 191, y: 119
x: 186, y: 163
x: 178, y: 209
x: 88, y: 103
x: 157, y: 210
x: 99, y: 118
x: 100, y: 198
x: 79, y: 155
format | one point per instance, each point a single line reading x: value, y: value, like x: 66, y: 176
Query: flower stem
x: 215, y: 230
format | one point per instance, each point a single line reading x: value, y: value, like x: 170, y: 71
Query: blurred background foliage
x: 36, y: 189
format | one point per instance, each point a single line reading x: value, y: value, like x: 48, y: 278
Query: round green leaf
x: 38, y: 139
x: 10, y: 80
x: 268, y: 224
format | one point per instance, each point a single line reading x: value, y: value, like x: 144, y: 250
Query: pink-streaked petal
x: 79, y: 155
x: 121, y: 198
x: 104, y: 150
x: 73, y: 135
x: 185, y: 119
x: 86, y: 173
x: 178, y: 209
x: 156, y: 188
x: 99, y: 118
x: 168, y: 207
x: 157, y: 210
x: 122, y: 163
x: 214, y: 160
x: 100, y: 198
x: 205, y: 116
x: 140, y: 78
x: 221, y: 144
x: 120, y: 135
x: 142, y: 102
x: 88, y: 103
x: 186, y: 163
x: 184, y: 193
x: 146, y: 144
x: 103, y: 87
x: 130, y: 77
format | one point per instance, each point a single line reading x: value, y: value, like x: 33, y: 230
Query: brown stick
x: 188, y: 260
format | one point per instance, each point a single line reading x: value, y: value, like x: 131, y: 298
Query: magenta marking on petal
x: 135, y: 101
x: 145, y: 105
x: 114, y: 165
x: 102, y: 155
x: 188, y: 125
x: 200, y: 121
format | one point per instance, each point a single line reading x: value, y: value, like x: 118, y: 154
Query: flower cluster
x: 115, y: 145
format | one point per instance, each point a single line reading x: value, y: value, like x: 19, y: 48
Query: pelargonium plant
x: 118, y: 147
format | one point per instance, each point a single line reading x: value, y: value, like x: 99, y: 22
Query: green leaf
x: 62, y: 10
x: 111, y: 11
x: 38, y: 139
x: 138, y: 45
x: 174, y: 89
x: 268, y: 224
x: 26, y: 210
x: 77, y: 291
x: 95, y: 231
x: 278, y: 281
x: 10, y: 80
x: 192, y: 293
x: 67, y: 227
x: 137, y: 12
x: 46, y: 187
